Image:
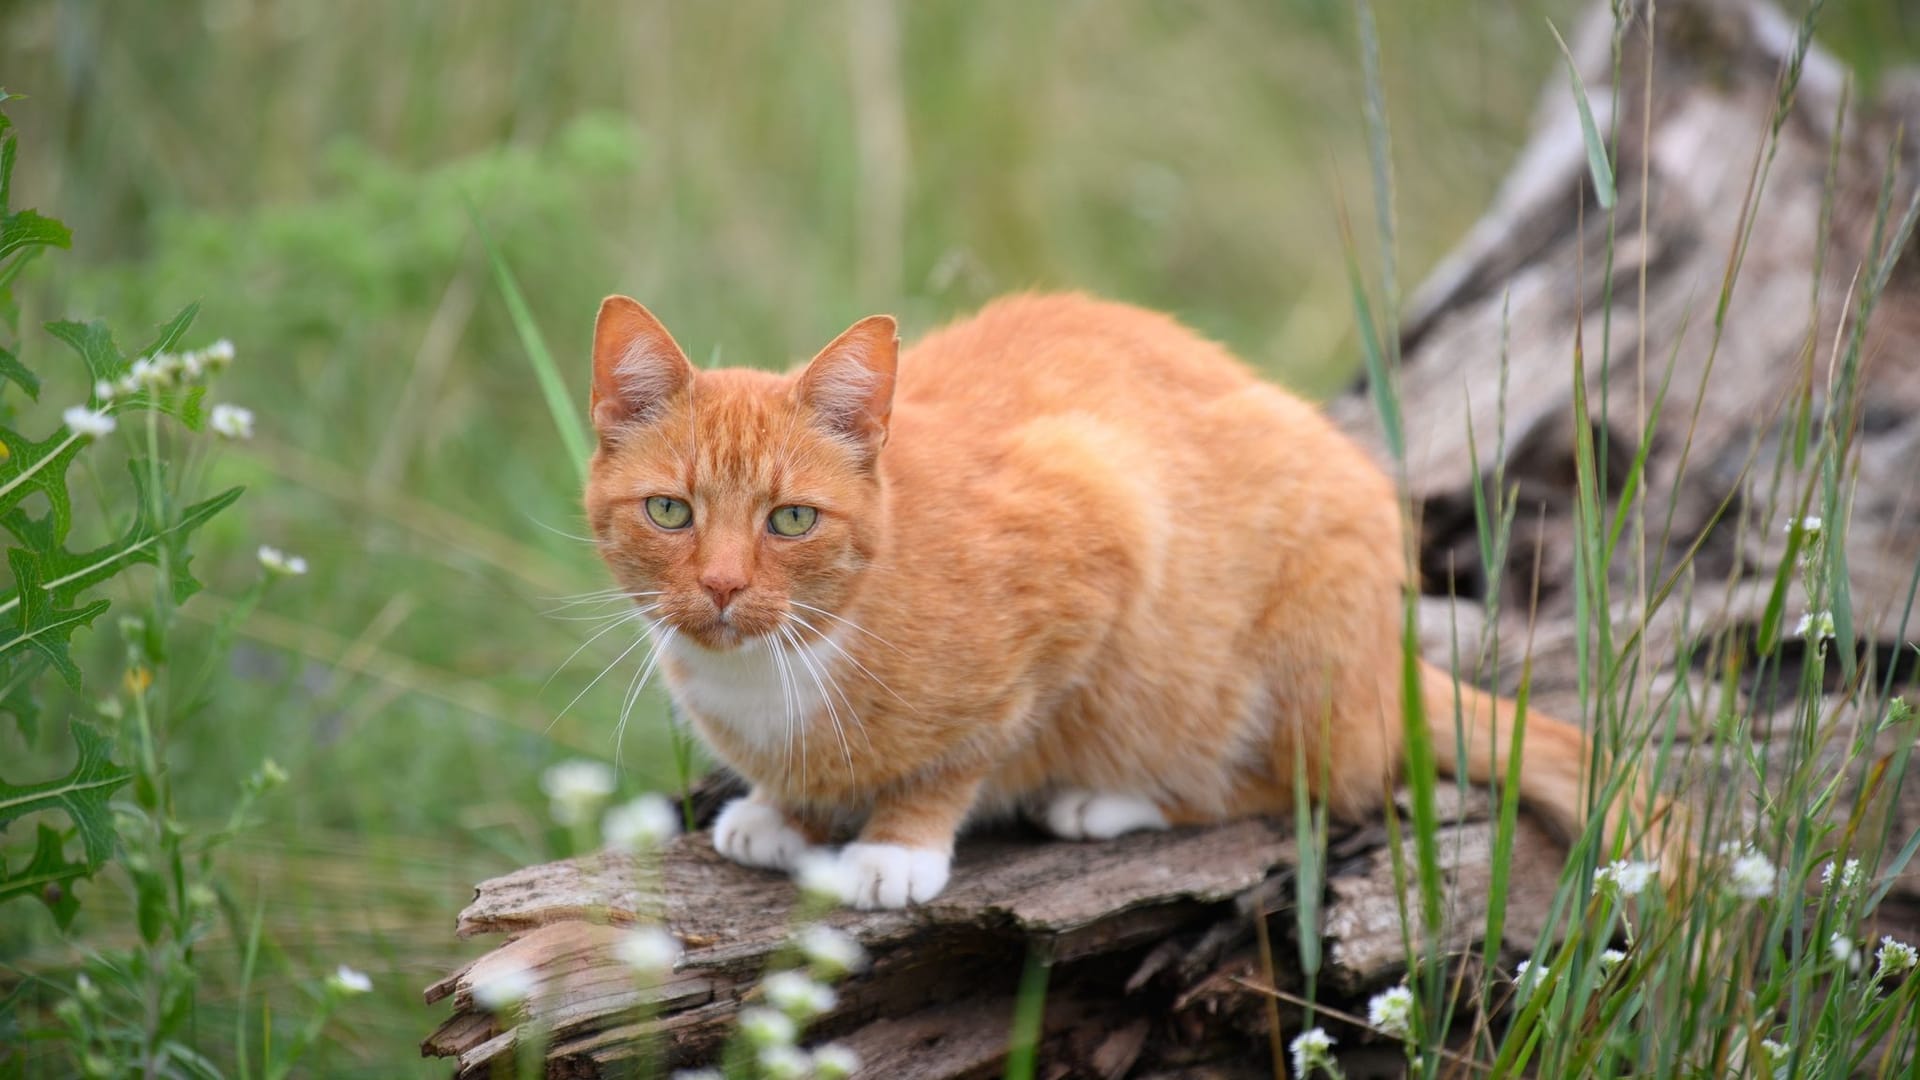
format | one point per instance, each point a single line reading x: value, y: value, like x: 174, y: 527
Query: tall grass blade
x: 1597, y: 163
x: 1029, y: 1009
x: 560, y: 403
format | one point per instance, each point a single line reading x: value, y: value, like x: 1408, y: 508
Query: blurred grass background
x: 758, y: 173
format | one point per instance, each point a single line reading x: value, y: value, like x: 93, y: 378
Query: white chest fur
x: 762, y: 691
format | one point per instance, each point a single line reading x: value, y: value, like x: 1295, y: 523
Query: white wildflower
x: 103, y: 390
x: 502, y: 987
x: 797, y: 995
x: 279, y: 562
x: 830, y: 952
x: 641, y: 825
x: 84, y: 989
x: 1849, y: 874
x: 220, y: 354
x: 821, y: 876
x: 146, y: 373
x: 1523, y: 980
x: 1843, y: 951
x: 577, y: 788
x: 1896, y: 958
x: 1391, y: 1011
x: 781, y: 1061
x: 1628, y: 877
x: 1751, y: 875
x: 1776, y: 1052
x: 85, y: 421
x: 231, y: 421
x: 1608, y: 960
x: 768, y: 1027
x: 348, y: 981
x: 835, y: 1061
x: 649, y: 951
x: 1312, y: 1049
x: 1815, y: 626
x: 1809, y: 527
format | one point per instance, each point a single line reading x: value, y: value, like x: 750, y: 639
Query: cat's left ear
x: 849, y: 385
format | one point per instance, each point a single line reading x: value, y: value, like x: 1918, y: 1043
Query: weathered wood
x: 1152, y: 938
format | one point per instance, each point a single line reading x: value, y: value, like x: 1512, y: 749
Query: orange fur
x: 1062, y: 546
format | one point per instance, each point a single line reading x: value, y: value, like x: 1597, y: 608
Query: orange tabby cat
x: 1064, y: 558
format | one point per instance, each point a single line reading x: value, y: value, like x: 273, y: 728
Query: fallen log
x: 1151, y: 943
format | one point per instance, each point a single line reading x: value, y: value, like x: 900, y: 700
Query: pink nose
x: 722, y: 587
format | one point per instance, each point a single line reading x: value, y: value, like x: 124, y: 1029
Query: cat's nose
x: 722, y: 586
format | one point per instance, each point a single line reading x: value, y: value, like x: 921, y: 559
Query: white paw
x: 752, y: 833
x: 891, y: 876
x: 1092, y: 815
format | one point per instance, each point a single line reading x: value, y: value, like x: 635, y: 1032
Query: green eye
x: 792, y: 520
x: 669, y: 513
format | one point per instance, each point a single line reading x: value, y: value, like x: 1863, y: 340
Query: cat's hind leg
x: 1099, y: 815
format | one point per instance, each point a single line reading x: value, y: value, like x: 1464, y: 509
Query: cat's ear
x: 849, y: 385
x: 638, y: 369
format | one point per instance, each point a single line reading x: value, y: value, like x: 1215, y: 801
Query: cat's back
x: 1039, y: 354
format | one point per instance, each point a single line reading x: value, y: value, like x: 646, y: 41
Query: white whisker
x: 851, y: 659
x: 824, y: 681
x: 849, y: 623
x: 639, y: 683
x: 639, y: 614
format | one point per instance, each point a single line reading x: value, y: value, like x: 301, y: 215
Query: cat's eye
x: 792, y: 520
x: 669, y: 513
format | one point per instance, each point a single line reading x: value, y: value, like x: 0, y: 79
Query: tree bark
x: 1154, y: 962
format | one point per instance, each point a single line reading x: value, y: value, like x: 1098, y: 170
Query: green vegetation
x: 760, y: 174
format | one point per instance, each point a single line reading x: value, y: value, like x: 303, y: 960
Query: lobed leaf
x: 81, y: 794
x: 47, y: 875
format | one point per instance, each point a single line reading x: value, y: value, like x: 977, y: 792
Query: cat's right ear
x: 638, y: 369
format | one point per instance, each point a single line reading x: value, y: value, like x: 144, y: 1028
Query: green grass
x: 311, y: 176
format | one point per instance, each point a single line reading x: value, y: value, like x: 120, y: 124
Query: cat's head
x: 735, y: 501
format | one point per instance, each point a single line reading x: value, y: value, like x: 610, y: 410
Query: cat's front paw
x: 891, y: 875
x: 1093, y: 815
x: 753, y: 833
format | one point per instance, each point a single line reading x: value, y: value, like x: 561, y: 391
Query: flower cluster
x: 1844, y: 952
x: 1391, y: 1012
x: 153, y: 374
x: 1895, y: 958
x: 1313, y: 1049
x: 577, y: 789
x: 639, y: 826
x: 1849, y: 875
x: 1750, y: 875
x: 279, y: 562
x: 1815, y: 626
x: 502, y: 987
x: 163, y: 371
x: 1626, y: 877
x: 650, y: 951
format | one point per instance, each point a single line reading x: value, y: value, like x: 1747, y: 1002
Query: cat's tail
x: 1555, y: 757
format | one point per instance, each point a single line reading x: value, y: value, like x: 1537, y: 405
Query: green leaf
x: 27, y: 466
x: 47, y: 875
x: 44, y: 626
x: 13, y: 369
x: 71, y: 573
x: 171, y: 333
x: 94, y: 342
x: 1597, y: 161
x: 82, y: 794
x: 28, y: 229
x: 16, y: 692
